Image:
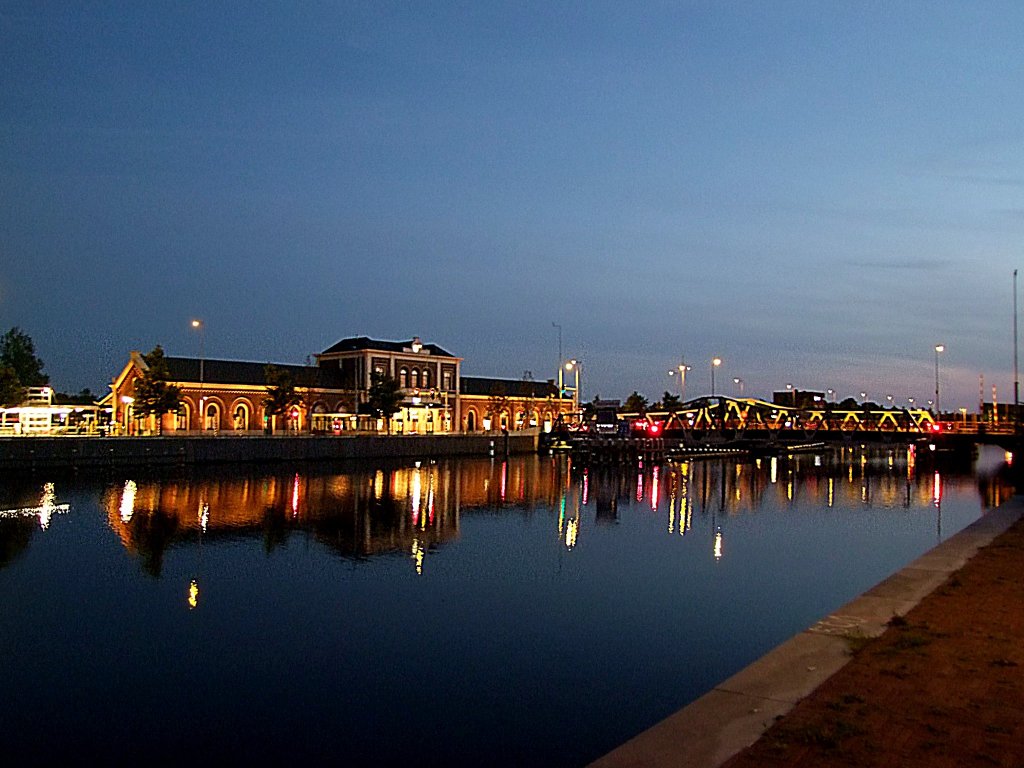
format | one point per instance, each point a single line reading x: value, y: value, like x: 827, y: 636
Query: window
x: 426, y: 378
x: 415, y: 379
x: 403, y: 378
x: 446, y: 381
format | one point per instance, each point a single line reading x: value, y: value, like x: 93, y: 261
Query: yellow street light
x: 198, y: 325
x: 938, y: 348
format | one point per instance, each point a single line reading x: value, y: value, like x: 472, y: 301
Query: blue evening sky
x: 816, y: 192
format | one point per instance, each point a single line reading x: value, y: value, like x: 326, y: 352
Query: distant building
x: 510, y: 404
x: 799, y: 398
x: 226, y: 396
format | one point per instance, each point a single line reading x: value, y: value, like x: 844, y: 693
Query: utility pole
x: 1016, y: 378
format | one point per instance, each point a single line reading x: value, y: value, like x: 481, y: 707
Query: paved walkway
x: 925, y: 669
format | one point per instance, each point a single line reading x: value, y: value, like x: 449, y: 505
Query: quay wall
x: 27, y: 453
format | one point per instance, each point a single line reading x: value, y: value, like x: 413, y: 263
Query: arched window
x: 183, y: 415
x: 212, y: 416
x: 471, y: 421
x: 446, y: 381
x: 403, y: 378
x: 240, y: 416
x: 415, y: 379
x: 426, y: 378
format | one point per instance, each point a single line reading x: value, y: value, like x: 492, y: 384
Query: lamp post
x: 1016, y: 378
x: 739, y: 383
x: 831, y: 393
x: 680, y: 370
x: 714, y: 364
x: 198, y: 325
x: 574, y: 365
x: 938, y: 348
x: 559, y: 366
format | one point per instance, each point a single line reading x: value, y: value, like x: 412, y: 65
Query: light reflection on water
x: 519, y: 611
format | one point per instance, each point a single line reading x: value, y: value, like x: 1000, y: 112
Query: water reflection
x: 317, y: 594
x: 415, y: 509
x: 24, y: 515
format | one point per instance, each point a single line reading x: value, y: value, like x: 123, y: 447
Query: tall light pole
x: 559, y: 366
x: 575, y: 365
x: 1016, y: 378
x: 739, y: 383
x: 198, y: 325
x: 714, y: 364
x: 680, y: 371
x: 938, y: 348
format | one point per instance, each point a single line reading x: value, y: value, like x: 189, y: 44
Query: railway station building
x: 227, y: 396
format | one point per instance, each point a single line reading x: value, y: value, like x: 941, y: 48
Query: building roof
x: 481, y: 385
x: 361, y: 343
x: 248, y: 373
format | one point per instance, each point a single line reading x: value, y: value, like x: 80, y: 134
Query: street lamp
x: 574, y: 365
x: 198, y: 325
x: 831, y: 394
x: 680, y: 370
x: 938, y: 348
x: 739, y: 383
x: 714, y: 364
x: 559, y: 366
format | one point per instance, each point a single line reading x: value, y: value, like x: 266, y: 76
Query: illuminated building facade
x: 225, y: 396
x: 498, y: 404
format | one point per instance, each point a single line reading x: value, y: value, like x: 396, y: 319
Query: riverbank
x: 921, y: 670
x: 31, y: 453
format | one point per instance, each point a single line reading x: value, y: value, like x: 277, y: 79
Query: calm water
x: 470, y: 612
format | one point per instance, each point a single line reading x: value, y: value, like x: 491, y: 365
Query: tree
x: 281, y: 395
x: 670, y: 402
x: 635, y: 403
x: 153, y: 395
x: 11, y: 391
x: 497, y: 403
x: 84, y: 397
x: 308, y: 379
x: 384, y: 398
x: 19, y: 366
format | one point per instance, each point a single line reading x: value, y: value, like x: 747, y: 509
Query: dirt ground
x: 944, y: 686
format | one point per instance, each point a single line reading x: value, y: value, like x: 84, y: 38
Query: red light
x: 655, y: 428
x: 936, y: 427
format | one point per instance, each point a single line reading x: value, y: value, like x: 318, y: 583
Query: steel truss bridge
x: 725, y: 418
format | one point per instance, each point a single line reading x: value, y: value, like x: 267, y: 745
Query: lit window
x: 403, y: 378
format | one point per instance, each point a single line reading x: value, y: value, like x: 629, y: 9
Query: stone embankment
x: 28, y: 453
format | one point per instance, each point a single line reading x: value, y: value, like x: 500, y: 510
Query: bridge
x: 724, y: 419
